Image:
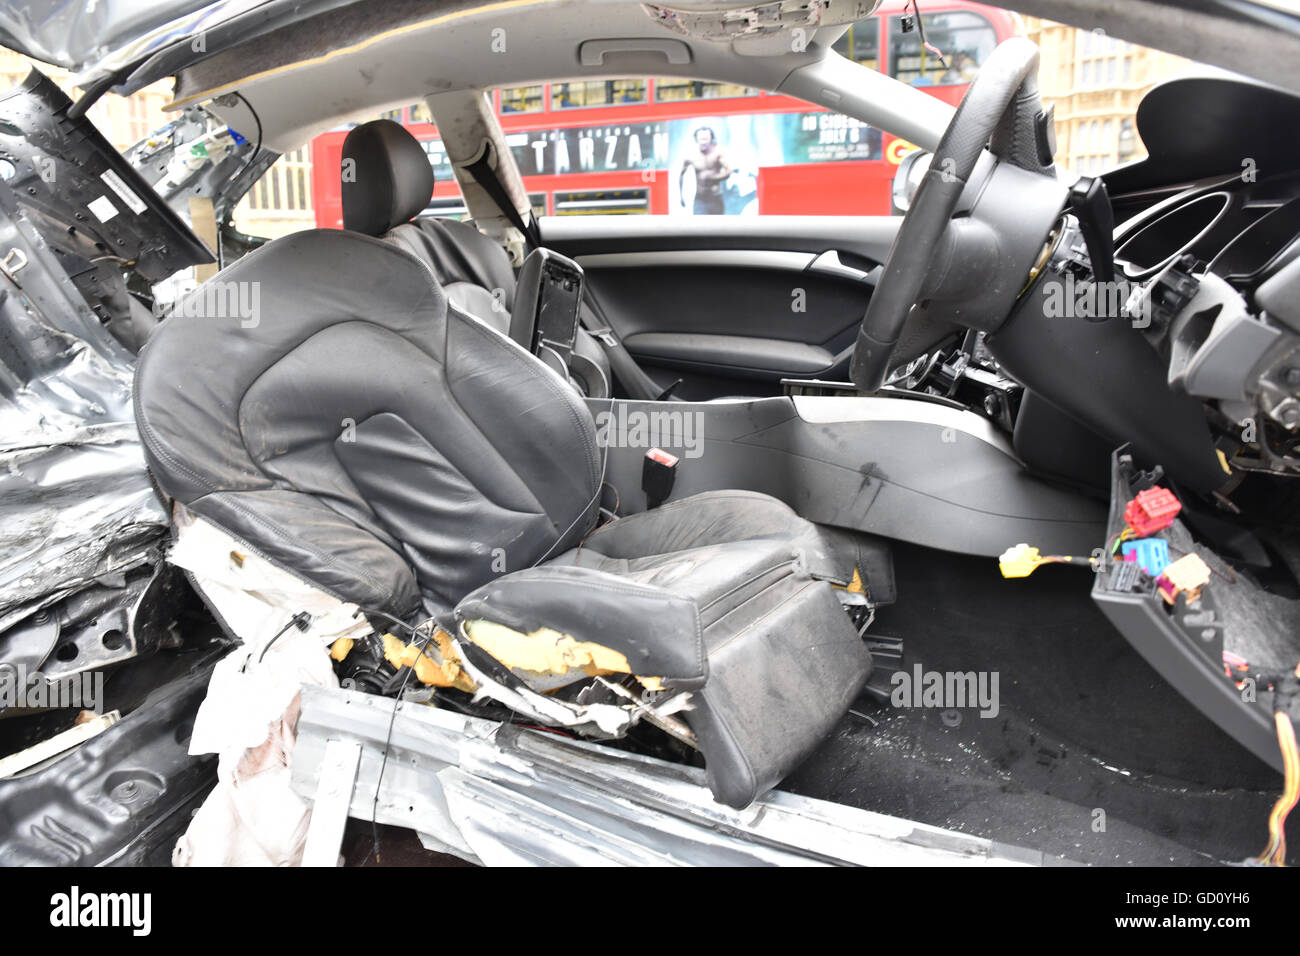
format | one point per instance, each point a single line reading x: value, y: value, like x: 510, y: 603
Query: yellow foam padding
x: 444, y: 673
x: 545, y: 651
x: 1019, y: 561
x: 855, y: 586
x: 341, y: 648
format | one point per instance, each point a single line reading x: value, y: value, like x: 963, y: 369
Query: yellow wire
x: 1275, y: 853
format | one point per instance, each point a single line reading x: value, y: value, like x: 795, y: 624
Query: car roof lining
x: 308, y: 77
x: 313, y: 74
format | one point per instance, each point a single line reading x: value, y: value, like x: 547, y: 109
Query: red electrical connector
x: 1152, y: 510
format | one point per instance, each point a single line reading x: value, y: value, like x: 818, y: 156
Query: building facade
x: 1095, y: 82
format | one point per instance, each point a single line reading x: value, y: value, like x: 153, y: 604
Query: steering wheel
x: 1001, y: 109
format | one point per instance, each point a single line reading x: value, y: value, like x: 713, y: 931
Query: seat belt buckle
x: 606, y: 335
x: 658, y: 472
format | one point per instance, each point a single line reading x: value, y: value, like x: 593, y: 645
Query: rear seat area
x: 386, y: 183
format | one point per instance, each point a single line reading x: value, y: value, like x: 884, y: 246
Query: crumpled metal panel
x: 121, y: 798
x: 502, y: 795
x: 71, y: 514
x: 76, y: 503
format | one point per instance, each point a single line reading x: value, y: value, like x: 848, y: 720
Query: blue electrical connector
x: 1151, y: 554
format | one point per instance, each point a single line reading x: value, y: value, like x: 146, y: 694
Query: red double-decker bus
x: 634, y: 145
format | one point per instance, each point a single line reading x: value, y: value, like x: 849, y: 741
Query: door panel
x: 729, y: 305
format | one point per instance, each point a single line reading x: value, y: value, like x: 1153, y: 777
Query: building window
x: 603, y: 202
x: 672, y: 90
x: 596, y: 93
x: 1126, y: 144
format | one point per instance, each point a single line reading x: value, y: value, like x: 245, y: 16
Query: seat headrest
x: 385, y: 176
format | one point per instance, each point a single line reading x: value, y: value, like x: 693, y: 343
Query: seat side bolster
x: 658, y: 633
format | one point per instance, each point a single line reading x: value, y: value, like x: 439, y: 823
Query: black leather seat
x: 386, y: 182
x: 397, y: 453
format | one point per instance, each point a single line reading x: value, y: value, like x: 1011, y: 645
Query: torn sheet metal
x: 501, y: 795
x: 76, y: 503
x: 77, y: 511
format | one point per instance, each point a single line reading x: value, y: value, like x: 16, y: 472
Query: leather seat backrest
x: 318, y: 400
x: 386, y: 182
x: 473, y: 270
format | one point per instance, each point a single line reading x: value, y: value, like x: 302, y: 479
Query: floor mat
x: 1091, y: 755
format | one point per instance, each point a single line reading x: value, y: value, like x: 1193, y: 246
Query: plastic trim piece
x: 894, y: 467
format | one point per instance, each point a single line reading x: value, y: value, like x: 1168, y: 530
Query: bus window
x: 603, y: 202
x: 596, y: 93
x: 446, y: 207
x: 674, y: 89
x: 521, y: 99
x: 420, y: 113
x: 861, y: 43
x: 965, y: 38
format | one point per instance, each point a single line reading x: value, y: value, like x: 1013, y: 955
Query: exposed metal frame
x: 499, y: 794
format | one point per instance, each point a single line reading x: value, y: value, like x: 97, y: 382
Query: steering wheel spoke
x: 1001, y: 107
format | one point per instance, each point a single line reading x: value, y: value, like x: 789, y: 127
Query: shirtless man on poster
x: 711, y: 171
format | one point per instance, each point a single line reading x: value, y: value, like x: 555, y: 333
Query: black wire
x: 257, y: 148
x: 424, y: 639
x: 413, y: 631
x: 920, y: 26
x: 301, y: 620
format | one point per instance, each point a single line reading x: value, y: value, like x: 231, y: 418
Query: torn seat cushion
x: 780, y: 661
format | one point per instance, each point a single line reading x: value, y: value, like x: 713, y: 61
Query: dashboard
x: 1185, y: 341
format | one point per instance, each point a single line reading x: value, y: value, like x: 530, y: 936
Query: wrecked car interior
x: 471, y: 529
